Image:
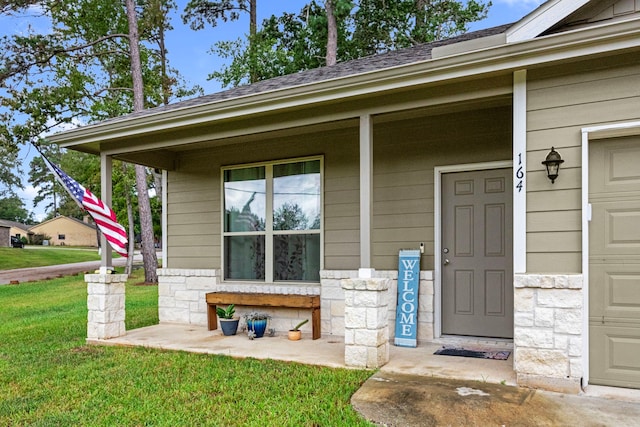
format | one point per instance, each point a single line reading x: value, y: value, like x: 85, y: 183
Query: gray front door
x: 477, y: 261
x: 614, y: 262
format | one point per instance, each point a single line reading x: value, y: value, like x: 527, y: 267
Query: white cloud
x: 27, y: 194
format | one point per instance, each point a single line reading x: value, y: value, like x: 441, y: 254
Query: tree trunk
x: 332, y: 33
x: 147, y: 242
x: 149, y: 258
x: 253, y: 25
x: 166, y: 84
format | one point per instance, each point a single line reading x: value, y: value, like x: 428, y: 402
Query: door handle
x: 446, y: 261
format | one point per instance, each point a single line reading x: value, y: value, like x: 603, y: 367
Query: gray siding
x: 561, y: 101
x: 405, y: 154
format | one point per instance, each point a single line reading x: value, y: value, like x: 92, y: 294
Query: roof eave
x: 552, y: 48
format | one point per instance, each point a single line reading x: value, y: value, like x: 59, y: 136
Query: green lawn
x: 48, y: 376
x: 11, y: 258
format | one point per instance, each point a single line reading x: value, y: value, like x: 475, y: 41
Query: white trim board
x: 593, y: 133
x: 544, y: 17
x: 438, y: 171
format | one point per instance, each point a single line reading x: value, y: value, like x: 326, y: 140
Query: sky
x: 189, y: 51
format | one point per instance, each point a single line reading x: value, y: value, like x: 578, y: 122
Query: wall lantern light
x: 552, y: 163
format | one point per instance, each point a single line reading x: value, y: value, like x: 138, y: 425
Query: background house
x: 66, y: 231
x: 438, y: 147
x: 5, y: 234
x: 17, y: 229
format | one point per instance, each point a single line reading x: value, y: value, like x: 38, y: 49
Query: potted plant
x: 228, y: 322
x: 295, y: 334
x: 256, y: 323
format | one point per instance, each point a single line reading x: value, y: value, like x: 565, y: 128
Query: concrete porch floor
x: 326, y: 351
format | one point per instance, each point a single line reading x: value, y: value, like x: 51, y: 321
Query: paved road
x: 53, y: 271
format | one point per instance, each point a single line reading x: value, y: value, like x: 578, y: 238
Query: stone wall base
x: 559, y: 385
x: 549, y: 332
x: 105, y: 305
x: 366, y: 339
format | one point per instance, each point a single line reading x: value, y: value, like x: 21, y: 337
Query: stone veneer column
x: 105, y: 301
x: 548, y: 333
x: 366, y: 335
x: 181, y: 294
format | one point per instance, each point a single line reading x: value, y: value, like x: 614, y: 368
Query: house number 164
x: 519, y: 174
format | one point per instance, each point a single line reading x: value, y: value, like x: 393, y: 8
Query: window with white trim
x: 272, y: 221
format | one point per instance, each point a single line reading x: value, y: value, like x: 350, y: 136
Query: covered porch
x: 326, y: 351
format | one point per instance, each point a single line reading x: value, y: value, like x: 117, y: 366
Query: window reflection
x: 244, y: 199
x: 296, y: 196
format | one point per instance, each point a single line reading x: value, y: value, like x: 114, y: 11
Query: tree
x: 199, y: 12
x: 284, y: 45
x: 80, y: 72
x: 381, y: 26
x: 297, y: 42
x: 12, y: 209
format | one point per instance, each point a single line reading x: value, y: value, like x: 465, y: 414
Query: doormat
x: 463, y: 352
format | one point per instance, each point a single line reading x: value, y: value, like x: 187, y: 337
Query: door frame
x: 593, y: 134
x: 438, y: 171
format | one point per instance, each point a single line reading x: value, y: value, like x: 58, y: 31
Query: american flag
x: 102, y: 215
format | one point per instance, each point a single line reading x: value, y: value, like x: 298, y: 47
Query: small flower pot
x: 257, y: 326
x: 229, y: 326
x: 295, y: 335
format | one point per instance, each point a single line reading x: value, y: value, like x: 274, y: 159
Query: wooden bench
x: 264, y: 300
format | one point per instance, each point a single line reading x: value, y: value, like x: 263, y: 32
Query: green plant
x: 297, y: 327
x: 256, y: 315
x: 226, y: 313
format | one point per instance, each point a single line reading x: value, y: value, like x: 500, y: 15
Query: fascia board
x: 557, y: 47
x: 543, y: 18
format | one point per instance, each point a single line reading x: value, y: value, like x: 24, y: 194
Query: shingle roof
x: 414, y: 54
x: 7, y: 223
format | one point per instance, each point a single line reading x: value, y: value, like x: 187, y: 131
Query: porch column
x: 105, y: 301
x: 366, y: 195
x: 106, y: 189
x: 366, y: 329
x: 520, y: 172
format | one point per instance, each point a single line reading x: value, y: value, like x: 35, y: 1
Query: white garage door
x: 614, y: 262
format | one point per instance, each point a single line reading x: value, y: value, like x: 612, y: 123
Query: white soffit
x: 543, y: 18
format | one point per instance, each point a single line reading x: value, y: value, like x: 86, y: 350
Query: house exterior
x: 5, y: 236
x: 67, y: 231
x: 312, y: 183
x: 16, y: 229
